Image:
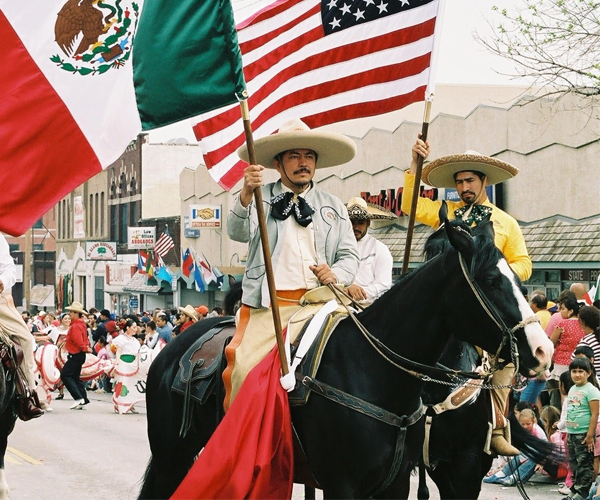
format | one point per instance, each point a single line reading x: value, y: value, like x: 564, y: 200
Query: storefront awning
x: 139, y: 284
x: 42, y: 296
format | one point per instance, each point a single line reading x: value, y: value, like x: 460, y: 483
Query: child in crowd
x: 550, y: 416
x: 564, y: 385
x: 582, y: 418
x: 520, y: 467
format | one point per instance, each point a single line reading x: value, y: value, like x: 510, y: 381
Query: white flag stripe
x: 275, y: 22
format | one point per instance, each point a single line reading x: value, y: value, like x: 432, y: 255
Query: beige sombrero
x: 189, y: 311
x: 359, y: 209
x: 332, y: 148
x: 440, y: 172
x: 77, y: 307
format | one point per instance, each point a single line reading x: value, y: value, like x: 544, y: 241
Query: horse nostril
x: 540, y: 353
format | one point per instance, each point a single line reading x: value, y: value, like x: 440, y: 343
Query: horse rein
x: 401, y: 362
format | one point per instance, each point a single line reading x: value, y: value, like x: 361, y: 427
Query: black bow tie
x: 478, y: 214
x: 284, y: 204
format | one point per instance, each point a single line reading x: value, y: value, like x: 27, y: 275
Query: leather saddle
x: 199, y: 374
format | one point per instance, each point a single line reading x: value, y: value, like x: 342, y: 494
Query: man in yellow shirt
x: 539, y: 305
x: 470, y: 174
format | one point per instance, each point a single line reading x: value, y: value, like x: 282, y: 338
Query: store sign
x: 205, y: 216
x: 391, y: 199
x: 140, y: 237
x: 188, y: 232
x: 119, y: 274
x: 100, y: 250
x: 578, y: 275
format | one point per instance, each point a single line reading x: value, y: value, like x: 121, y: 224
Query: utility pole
x: 27, y: 270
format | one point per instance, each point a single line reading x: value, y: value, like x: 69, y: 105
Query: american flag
x: 164, y: 244
x: 324, y: 62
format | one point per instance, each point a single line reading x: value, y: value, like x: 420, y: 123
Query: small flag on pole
x: 164, y: 244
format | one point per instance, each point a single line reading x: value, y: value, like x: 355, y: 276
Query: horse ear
x: 232, y: 280
x: 487, y: 229
x: 443, y: 213
x: 461, y: 239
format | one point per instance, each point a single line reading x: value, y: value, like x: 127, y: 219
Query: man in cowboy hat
x: 13, y: 325
x: 309, y: 230
x: 470, y: 174
x: 374, y: 276
x: 77, y: 345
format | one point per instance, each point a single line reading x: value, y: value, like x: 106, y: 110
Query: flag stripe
x: 293, y: 70
x: 58, y: 138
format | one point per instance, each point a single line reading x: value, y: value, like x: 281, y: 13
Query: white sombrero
x: 77, y: 307
x: 332, y: 148
x: 359, y: 209
x: 440, y: 172
x: 189, y: 311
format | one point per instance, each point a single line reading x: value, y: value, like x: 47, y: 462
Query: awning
x: 139, y: 284
x: 42, y: 296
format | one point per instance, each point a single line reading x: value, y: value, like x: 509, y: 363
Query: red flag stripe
x: 59, y: 140
x: 293, y: 70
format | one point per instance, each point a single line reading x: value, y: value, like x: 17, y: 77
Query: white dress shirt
x: 375, y: 268
x: 8, y: 269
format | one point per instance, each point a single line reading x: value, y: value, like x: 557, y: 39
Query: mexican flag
x: 79, y: 79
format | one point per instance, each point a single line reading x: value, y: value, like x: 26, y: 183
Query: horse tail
x: 538, y: 450
x: 148, y: 489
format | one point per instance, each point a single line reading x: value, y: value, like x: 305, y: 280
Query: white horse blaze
x: 541, y: 346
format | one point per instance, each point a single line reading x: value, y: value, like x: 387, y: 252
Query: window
x: 39, y: 224
x: 91, y: 216
x: 96, y: 212
x: 102, y: 209
x: 114, y: 222
x: 99, y: 292
x: 124, y: 222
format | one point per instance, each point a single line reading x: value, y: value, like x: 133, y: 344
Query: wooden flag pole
x: 416, y: 189
x: 264, y: 238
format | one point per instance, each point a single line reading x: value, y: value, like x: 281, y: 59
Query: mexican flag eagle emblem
x: 94, y: 35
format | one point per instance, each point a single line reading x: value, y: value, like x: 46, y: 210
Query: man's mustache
x: 468, y: 192
x: 300, y: 170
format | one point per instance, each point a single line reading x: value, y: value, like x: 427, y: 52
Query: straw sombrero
x: 359, y: 209
x: 77, y: 307
x: 189, y: 311
x: 332, y: 148
x: 440, y: 172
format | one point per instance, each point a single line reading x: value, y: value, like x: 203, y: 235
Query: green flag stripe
x: 186, y: 60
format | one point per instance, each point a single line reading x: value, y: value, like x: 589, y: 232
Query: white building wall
x: 162, y: 165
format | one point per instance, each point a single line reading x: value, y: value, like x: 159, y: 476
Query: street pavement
x: 95, y: 454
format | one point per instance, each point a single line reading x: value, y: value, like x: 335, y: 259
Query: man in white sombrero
x: 309, y: 231
x: 470, y: 173
x: 374, y: 276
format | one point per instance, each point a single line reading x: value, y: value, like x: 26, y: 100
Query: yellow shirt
x: 508, y: 237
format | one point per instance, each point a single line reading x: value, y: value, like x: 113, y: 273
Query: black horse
x: 8, y: 410
x: 350, y: 454
x: 457, y: 437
